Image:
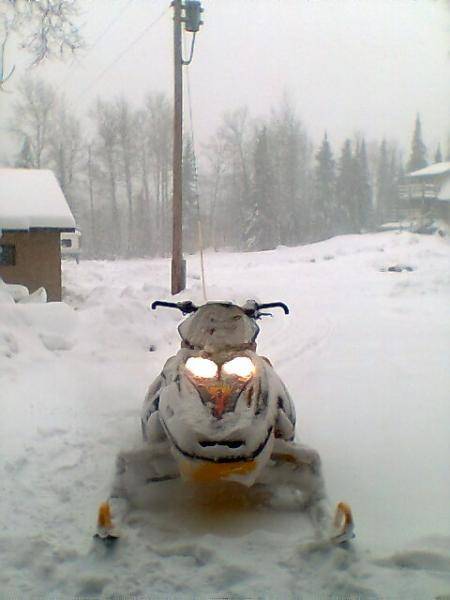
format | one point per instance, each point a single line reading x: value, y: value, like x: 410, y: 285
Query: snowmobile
x: 218, y: 412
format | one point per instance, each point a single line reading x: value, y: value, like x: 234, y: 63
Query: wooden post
x: 178, y: 264
x: 94, y: 241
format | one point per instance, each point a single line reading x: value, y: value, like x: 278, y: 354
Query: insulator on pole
x: 192, y: 15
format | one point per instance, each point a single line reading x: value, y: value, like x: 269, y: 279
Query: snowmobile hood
x: 219, y: 326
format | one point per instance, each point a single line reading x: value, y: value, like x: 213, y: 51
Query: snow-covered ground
x: 365, y: 354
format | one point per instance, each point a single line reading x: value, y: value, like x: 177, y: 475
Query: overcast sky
x: 347, y: 65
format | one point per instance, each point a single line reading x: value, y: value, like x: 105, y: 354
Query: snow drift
x: 365, y: 355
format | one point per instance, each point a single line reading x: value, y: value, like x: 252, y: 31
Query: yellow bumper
x: 208, y: 471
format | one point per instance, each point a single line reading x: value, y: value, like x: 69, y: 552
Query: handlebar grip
x: 185, y: 307
x: 157, y: 303
x: 275, y: 305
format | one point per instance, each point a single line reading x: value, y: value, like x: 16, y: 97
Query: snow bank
x: 13, y: 292
x: 31, y: 330
x: 365, y: 354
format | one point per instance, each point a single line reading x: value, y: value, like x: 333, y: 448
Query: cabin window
x: 7, y: 255
x: 65, y: 243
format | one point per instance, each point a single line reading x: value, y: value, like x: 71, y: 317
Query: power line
x: 120, y: 55
x: 111, y: 24
x: 97, y: 40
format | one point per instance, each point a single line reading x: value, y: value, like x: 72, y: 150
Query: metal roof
x: 437, y: 169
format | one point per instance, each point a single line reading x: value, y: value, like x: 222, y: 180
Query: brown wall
x: 38, y: 261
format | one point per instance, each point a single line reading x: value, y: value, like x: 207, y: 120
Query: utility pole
x: 192, y: 22
x: 178, y: 263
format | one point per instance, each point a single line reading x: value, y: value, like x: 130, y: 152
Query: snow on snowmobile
x: 218, y: 412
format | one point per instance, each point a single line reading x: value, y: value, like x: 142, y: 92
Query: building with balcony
x: 426, y: 192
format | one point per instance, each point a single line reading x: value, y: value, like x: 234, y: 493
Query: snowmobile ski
x: 344, y: 524
x: 106, y: 532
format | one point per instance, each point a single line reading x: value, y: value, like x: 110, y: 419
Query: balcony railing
x: 418, y: 191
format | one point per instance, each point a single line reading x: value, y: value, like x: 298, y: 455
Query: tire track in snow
x: 285, y: 358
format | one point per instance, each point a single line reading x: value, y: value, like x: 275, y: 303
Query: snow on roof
x: 437, y: 169
x: 32, y: 198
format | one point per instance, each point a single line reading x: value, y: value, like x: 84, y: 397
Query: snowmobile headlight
x: 201, y: 367
x: 241, y: 366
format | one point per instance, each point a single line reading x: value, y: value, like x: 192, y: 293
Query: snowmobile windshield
x: 219, y: 326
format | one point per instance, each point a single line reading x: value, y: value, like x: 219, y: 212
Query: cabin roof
x: 439, y: 168
x: 32, y: 199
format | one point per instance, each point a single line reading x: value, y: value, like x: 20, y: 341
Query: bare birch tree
x: 32, y: 118
x: 106, y: 155
x: 46, y: 27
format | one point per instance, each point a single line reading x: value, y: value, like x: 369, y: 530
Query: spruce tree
x: 389, y: 172
x: 396, y: 174
x: 324, y: 207
x: 383, y: 183
x: 364, y: 213
x: 261, y: 232
x: 290, y: 152
x: 345, y: 190
x: 417, y: 159
x: 438, y: 155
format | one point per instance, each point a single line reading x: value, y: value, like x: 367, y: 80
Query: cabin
x: 33, y: 213
x: 427, y: 193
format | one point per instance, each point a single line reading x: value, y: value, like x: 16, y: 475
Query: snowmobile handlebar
x: 186, y: 307
x: 251, y: 308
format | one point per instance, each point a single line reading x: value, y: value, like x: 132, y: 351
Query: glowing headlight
x: 201, y: 367
x: 241, y: 366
